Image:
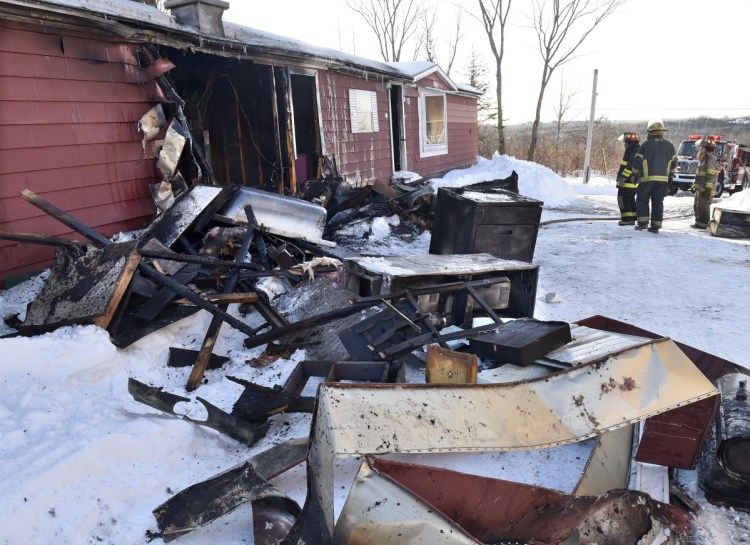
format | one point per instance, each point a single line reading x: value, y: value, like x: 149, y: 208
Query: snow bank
x: 739, y: 201
x: 598, y: 185
x: 534, y: 180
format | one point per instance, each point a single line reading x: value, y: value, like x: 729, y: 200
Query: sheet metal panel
x: 675, y: 438
x: 592, y: 344
x: 566, y: 407
x: 712, y: 366
x: 561, y: 408
x: 444, y: 506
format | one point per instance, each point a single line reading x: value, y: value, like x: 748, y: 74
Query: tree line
x: 561, y: 26
x: 562, y: 149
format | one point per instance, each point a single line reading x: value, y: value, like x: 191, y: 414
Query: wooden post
x: 209, y: 341
x: 289, y: 136
x: 277, y: 131
x: 65, y: 218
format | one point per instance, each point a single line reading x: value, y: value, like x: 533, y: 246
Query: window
x: 363, y: 107
x: 433, y: 124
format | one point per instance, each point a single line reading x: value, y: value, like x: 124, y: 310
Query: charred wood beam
x: 320, y: 319
x: 225, y: 298
x: 277, y: 130
x: 289, y: 138
x: 40, y: 239
x: 194, y: 298
x: 438, y: 288
x: 243, y: 431
x: 209, y: 341
x: 149, y: 310
x: 360, y: 303
x: 210, y: 262
x: 65, y: 218
x: 203, y: 502
x: 250, y: 270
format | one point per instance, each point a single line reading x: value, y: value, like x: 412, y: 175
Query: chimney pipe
x: 204, y: 15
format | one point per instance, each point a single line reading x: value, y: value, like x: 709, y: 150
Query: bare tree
x: 392, y: 21
x: 564, y: 103
x: 426, y: 36
x: 494, y: 18
x: 453, y: 39
x: 558, y: 23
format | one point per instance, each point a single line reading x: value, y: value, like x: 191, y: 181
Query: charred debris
x: 461, y: 316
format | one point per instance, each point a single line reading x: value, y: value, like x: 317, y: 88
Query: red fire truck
x: 737, y: 167
x: 687, y: 163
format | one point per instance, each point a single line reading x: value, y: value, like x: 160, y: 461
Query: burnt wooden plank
x: 40, y: 239
x: 225, y: 298
x: 194, y: 298
x: 65, y: 218
x: 75, y: 200
x: 172, y: 223
x: 183, y: 357
x: 83, y: 289
x: 209, y: 341
x: 156, y: 304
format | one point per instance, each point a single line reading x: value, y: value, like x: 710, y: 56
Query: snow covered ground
x: 82, y: 462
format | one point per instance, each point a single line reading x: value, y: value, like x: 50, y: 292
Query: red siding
x: 360, y: 157
x: 368, y: 156
x: 463, y: 140
x: 435, y: 81
x: 69, y: 108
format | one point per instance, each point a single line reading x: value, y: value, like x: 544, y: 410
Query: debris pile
x: 440, y: 354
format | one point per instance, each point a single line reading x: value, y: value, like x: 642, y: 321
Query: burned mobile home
x: 250, y: 108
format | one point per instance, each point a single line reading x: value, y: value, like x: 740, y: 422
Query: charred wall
x: 232, y: 109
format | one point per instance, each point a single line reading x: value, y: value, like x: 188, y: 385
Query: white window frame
x: 354, y: 95
x: 425, y: 149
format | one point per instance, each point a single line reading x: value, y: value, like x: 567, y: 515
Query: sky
x: 669, y: 59
x: 84, y: 463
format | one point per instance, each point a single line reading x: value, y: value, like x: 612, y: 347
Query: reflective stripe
x: 627, y: 172
x: 630, y: 186
x: 624, y: 163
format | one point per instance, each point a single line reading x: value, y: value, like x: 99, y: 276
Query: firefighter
x: 653, y: 168
x: 626, y: 183
x: 705, y: 181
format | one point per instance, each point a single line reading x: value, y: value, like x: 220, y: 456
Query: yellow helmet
x: 656, y: 125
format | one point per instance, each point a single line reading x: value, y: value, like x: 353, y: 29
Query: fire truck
x: 737, y: 169
x: 687, y: 163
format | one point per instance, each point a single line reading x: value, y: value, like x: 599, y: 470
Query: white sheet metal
x: 562, y: 408
x: 592, y: 344
x: 393, y: 516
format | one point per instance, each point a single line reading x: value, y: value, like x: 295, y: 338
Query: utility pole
x: 590, y: 135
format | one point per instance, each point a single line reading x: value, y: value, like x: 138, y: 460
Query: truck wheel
x: 719, y: 189
x: 672, y: 189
